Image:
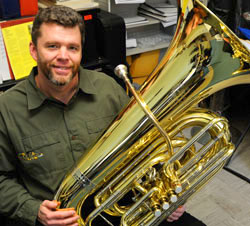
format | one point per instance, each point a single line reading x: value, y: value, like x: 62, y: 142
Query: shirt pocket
x: 42, y: 154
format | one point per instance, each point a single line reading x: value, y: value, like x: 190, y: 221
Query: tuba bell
x: 148, y: 163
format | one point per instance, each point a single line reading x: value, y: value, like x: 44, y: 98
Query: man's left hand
x: 176, y: 214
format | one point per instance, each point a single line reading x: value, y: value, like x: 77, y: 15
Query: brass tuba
x: 147, y: 163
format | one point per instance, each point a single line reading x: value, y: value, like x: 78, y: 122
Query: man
x: 48, y: 121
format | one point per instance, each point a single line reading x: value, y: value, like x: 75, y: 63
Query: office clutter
x: 108, y: 24
x: 145, y: 32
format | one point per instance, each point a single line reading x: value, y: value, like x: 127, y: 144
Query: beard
x: 47, y: 71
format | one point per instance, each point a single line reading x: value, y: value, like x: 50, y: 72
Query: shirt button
x: 73, y: 137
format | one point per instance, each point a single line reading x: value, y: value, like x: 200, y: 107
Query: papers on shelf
x: 4, y: 69
x: 129, y: 21
x: 164, y: 12
x: 74, y: 4
x: 167, y: 24
x: 159, y: 9
x: 129, y: 1
x: 161, y: 18
x: 131, y: 43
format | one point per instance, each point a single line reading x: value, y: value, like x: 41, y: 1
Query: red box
x: 28, y: 7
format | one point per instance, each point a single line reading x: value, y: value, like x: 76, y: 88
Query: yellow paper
x: 17, y: 39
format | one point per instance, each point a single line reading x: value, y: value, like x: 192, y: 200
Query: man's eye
x: 74, y: 48
x: 52, y: 46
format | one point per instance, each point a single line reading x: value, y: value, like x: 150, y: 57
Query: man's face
x: 58, y: 53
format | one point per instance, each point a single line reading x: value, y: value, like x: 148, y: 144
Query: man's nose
x: 63, y: 53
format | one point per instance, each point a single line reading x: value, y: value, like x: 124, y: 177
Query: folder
x: 9, y: 9
x: 10, y: 23
x: 28, y: 7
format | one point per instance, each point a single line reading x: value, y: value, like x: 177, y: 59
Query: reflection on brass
x: 131, y: 172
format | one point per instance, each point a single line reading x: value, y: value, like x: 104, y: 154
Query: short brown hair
x: 60, y: 15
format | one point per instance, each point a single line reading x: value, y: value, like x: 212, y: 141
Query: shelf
x: 138, y: 50
x: 149, y: 38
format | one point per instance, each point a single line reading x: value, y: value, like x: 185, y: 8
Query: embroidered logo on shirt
x: 30, y: 155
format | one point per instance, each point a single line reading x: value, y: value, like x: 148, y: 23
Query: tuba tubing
x: 147, y: 163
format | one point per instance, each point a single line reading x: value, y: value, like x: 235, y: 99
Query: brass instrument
x: 147, y: 153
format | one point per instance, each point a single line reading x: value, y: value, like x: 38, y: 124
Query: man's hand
x: 176, y: 214
x: 49, y: 216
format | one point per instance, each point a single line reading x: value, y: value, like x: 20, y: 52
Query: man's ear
x: 33, y: 50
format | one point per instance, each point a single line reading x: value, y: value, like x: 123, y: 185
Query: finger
x: 176, y: 214
x: 65, y: 221
x: 66, y: 209
x: 50, y: 204
x: 172, y: 218
x: 62, y: 214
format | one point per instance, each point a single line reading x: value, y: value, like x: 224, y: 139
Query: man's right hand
x: 49, y: 216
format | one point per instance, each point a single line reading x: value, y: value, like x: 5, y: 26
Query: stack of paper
x: 74, y: 4
x: 164, y: 12
x: 129, y: 21
x: 4, y: 69
x: 128, y: 1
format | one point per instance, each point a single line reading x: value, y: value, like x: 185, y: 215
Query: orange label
x: 88, y: 17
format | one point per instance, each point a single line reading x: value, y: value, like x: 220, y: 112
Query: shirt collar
x: 36, y: 98
x: 86, y: 81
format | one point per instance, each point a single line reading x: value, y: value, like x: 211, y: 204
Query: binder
x: 9, y: 9
x: 28, y: 7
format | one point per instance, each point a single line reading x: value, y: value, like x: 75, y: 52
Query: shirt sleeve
x: 16, y: 202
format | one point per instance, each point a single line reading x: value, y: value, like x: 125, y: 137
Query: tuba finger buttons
x: 157, y: 212
x: 173, y: 198
x: 165, y: 205
x: 178, y: 189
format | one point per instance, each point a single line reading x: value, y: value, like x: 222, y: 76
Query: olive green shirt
x: 42, y: 138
